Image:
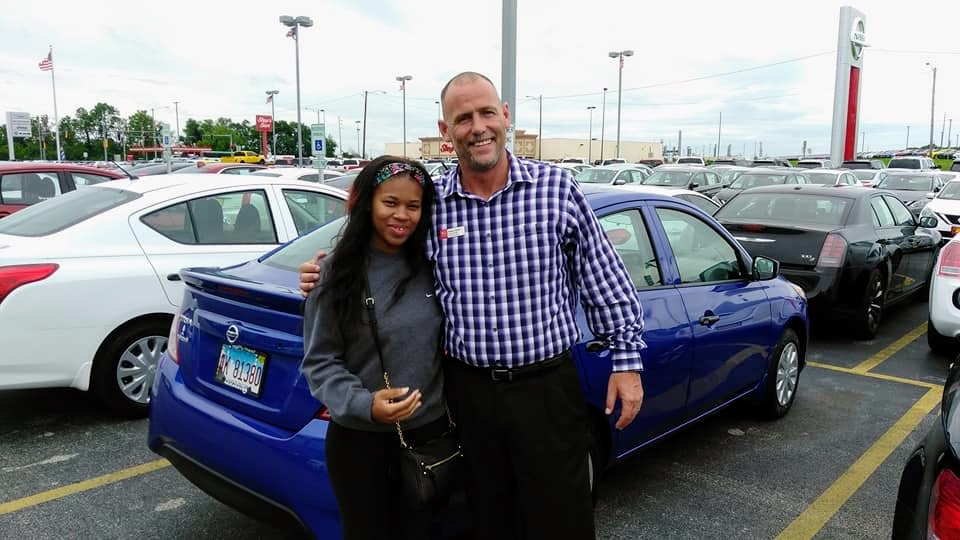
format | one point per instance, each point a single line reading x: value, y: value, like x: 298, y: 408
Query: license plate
x: 241, y: 368
x: 955, y: 230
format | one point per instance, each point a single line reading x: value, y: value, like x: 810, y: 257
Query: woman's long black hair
x: 348, y: 267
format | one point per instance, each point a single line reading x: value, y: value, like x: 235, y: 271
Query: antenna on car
x: 117, y: 165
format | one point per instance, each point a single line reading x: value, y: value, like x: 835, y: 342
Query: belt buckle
x: 501, y: 374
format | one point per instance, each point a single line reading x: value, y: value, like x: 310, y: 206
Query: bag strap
x: 369, y: 302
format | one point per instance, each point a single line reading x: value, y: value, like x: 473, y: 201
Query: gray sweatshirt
x: 342, y: 368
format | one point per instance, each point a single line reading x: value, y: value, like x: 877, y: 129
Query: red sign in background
x: 264, y: 122
x: 446, y: 148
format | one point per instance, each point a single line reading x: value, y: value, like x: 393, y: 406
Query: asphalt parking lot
x: 829, y: 469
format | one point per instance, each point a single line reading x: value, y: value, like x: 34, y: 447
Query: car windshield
x: 824, y: 179
x: 907, y: 182
x: 342, y: 182
x: 596, y: 176
x: 749, y: 180
x: 58, y: 213
x: 950, y: 192
x: 669, y: 178
x: 786, y: 208
x: 690, y: 160
x: 864, y: 174
x: 304, y: 248
x: 904, y: 164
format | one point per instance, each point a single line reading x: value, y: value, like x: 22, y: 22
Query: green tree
x: 192, y: 134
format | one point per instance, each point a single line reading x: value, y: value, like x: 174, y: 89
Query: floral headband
x: 393, y: 169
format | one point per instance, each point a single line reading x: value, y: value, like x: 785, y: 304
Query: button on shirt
x: 508, y: 271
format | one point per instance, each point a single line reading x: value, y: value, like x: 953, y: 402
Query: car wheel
x: 938, y: 342
x: 596, y: 463
x: 867, y: 319
x: 783, y: 377
x: 127, y: 365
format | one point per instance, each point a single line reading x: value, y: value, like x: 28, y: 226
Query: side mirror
x: 928, y: 222
x: 724, y: 186
x: 619, y: 182
x: 765, y: 268
x: 930, y: 195
x: 694, y: 185
x: 936, y: 189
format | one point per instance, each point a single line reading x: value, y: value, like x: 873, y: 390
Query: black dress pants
x: 362, y: 468
x: 525, y: 446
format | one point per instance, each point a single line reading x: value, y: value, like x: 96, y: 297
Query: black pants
x: 525, y: 445
x: 362, y: 469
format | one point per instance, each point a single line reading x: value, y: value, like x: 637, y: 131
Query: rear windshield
x: 786, y: 208
x: 304, y: 248
x: 58, y: 213
x: 865, y: 174
x: 665, y: 178
x: 690, y: 160
x: 596, y: 176
x: 857, y: 165
x: 750, y: 180
x: 904, y: 164
x: 907, y: 182
x: 824, y: 179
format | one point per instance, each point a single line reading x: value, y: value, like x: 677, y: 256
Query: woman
x: 382, y: 245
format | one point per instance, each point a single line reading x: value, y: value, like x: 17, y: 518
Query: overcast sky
x: 217, y: 59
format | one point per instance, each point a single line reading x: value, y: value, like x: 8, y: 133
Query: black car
x: 853, y: 250
x: 912, y: 187
x: 928, y: 500
x: 752, y: 178
x: 700, y: 179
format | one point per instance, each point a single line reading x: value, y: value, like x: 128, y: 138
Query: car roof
x: 600, y: 195
x: 853, y: 192
x: 181, y: 184
x: 683, y: 167
x: 34, y: 166
x: 658, y: 190
x: 618, y: 166
x: 293, y: 171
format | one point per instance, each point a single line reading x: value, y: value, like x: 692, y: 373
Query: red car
x: 26, y: 183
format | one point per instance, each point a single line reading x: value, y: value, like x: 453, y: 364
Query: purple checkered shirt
x: 508, y: 271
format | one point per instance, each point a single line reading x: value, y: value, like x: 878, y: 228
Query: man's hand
x: 310, y: 273
x: 629, y: 388
x: 390, y: 406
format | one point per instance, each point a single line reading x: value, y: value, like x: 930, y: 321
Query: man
x: 515, y: 244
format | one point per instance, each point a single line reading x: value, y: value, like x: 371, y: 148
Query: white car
x: 869, y: 177
x: 574, y: 168
x: 309, y: 174
x: 945, y: 207
x: 943, y: 327
x: 616, y: 174
x: 690, y: 160
x: 89, y: 281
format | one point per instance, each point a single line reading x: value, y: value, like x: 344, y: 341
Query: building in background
x: 526, y: 146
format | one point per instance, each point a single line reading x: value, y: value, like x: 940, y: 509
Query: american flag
x: 47, y: 63
x: 292, y: 33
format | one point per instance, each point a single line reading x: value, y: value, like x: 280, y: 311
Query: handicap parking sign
x: 318, y: 145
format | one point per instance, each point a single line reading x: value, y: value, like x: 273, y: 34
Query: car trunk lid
x: 245, y: 346
x: 792, y: 245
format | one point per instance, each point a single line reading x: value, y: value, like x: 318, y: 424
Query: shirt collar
x: 516, y: 172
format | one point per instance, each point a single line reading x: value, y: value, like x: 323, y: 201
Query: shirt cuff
x: 628, y: 361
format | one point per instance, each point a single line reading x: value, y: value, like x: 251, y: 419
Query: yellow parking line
x: 890, y: 350
x: 829, y: 502
x: 33, y: 500
x: 880, y: 376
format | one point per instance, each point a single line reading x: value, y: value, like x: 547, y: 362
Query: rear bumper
x: 255, y: 468
x: 830, y: 291
x: 944, y: 310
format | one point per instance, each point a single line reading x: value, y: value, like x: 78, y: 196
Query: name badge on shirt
x: 452, y: 232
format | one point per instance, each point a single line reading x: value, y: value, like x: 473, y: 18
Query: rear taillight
x: 323, y: 414
x: 12, y: 277
x: 943, y: 518
x: 832, y: 253
x: 949, y: 261
x: 173, y: 340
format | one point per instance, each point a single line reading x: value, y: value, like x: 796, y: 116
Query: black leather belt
x: 504, y: 374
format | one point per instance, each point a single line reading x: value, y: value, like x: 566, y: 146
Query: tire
x: 596, y: 463
x: 126, y: 366
x: 783, y: 377
x: 870, y: 311
x: 938, y: 342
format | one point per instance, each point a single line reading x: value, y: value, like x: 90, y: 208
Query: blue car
x: 232, y: 412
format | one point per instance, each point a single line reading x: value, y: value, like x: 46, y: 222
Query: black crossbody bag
x: 432, y: 470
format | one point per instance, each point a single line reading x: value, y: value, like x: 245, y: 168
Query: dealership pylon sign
x: 851, y: 43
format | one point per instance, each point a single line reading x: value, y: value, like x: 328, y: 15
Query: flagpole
x: 56, y: 118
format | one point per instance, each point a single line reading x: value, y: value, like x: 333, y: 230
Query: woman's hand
x: 389, y: 405
x: 310, y: 273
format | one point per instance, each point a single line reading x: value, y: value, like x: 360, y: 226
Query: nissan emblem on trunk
x: 233, y: 333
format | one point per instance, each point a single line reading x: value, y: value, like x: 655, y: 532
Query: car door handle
x: 708, y: 320
x: 173, y: 277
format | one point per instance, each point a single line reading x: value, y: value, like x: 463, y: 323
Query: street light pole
x: 933, y: 101
x: 908, y: 137
x: 153, y: 130
x: 295, y: 23
x: 363, y: 146
x: 340, y: 134
x: 540, y: 128
x: 403, y: 87
x: 590, y: 136
x: 358, y: 137
x: 273, y: 114
x: 620, y: 55
x: 176, y: 108
x: 603, y: 122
